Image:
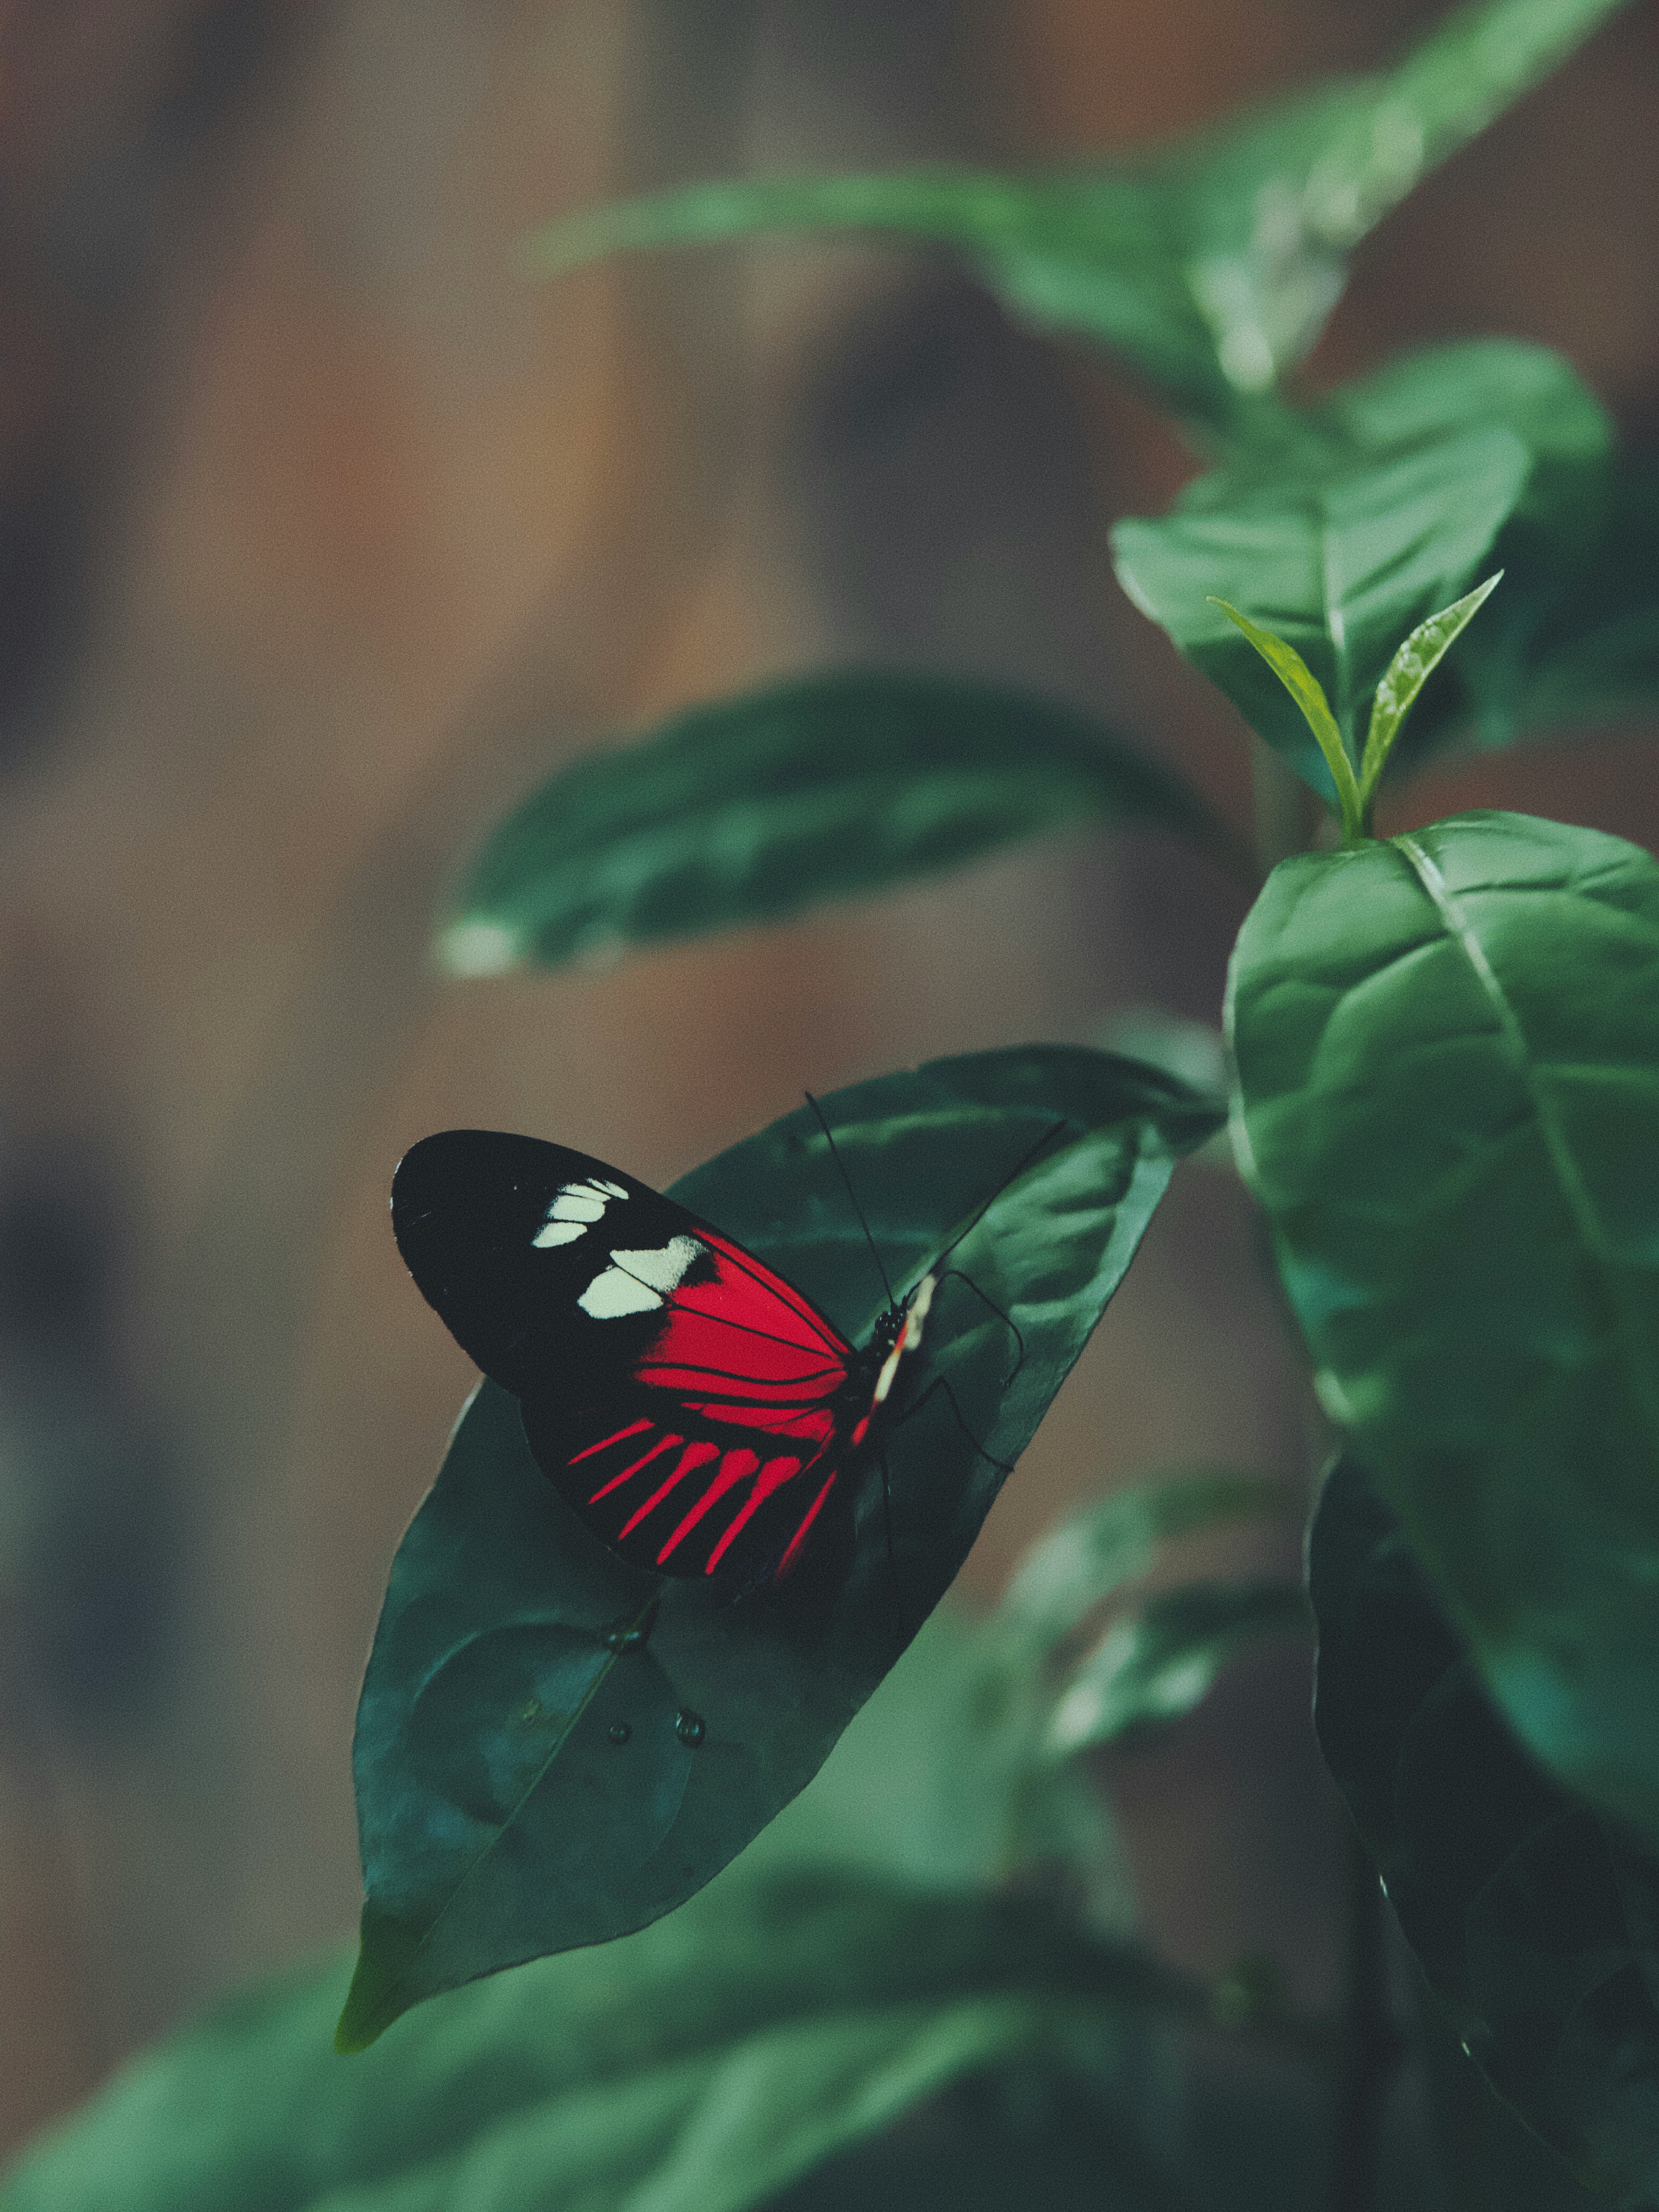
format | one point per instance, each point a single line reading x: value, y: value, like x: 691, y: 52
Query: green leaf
x: 1547, y: 543
x: 1405, y: 675
x: 1573, y: 642
x: 1447, y: 1055
x: 493, y: 1828
x: 1089, y: 252
x: 1272, y: 207
x: 1090, y: 1558
x: 759, y: 806
x: 1492, y: 2161
x: 1209, y: 269
x: 1160, y: 1665
x: 707, y: 2062
x: 1293, y: 673
x: 1534, y: 1920
x: 1339, y: 552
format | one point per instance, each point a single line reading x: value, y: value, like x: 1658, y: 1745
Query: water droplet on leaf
x: 630, y: 1635
x: 689, y: 1729
x: 619, y: 1732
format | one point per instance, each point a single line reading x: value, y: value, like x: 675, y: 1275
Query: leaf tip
x: 377, y: 1994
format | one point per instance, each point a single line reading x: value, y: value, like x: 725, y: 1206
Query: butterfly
x: 696, y: 1410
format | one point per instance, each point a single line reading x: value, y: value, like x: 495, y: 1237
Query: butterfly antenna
x: 1012, y: 1175
x: 842, y: 1165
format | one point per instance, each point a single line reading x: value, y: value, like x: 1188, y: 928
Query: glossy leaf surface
x: 1160, y: 1665
x: 1536, y: 1923
x: 1405, y: 675
x: 708, y: 2061
x: 495, y: 1826
x: 1209, y: 270
x: 757, y: 807
x: 1340, y: 553
x: 1447, y: 1049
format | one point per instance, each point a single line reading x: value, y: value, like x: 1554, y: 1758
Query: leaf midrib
x: 1610, y: 1277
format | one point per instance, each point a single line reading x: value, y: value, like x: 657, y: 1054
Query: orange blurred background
x: 322, y: 538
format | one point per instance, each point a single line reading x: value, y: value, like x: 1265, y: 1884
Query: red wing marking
x: 632, y: 1429
x: 667, y: 1443
x: 772, y: 1476
x: 774, y: 1286
x: 799, y: 1536
x: 694, y: 1456
x: 746, y: 1329
x: 735, y: 1466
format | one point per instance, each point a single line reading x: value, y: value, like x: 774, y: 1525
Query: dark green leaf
x: 1547, y: 545
x: 1160, y: 1665
x: 494, y: 1830
x: 1574, y: 642
x: 1339, y: 553
x: 1534, y: 1922
x: 1089, y: 1557
x: 1492, y: 2161
x: 705, y: 2062
x: 1448, y: 1068
x: 1209, y: 270
x: 759, y: 806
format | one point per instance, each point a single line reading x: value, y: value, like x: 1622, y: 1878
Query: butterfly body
x: 697, y: 1411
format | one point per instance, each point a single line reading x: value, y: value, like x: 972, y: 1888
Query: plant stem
x: 1371, y: 2042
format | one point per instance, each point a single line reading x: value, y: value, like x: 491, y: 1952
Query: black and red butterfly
x: 699, y: 1412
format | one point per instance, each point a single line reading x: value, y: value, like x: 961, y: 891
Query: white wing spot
x: 559, y: 1232
x: 637, y: 1281
x: 577, y: 1207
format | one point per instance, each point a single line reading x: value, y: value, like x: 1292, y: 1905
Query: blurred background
x: 322, y: 538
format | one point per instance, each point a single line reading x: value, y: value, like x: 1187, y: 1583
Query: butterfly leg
x: 887, y: 1506
x: 942, y: 1383
x: 955, y: 1274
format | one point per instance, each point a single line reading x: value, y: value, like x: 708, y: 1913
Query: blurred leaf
x: 1092, y: 252
x: 1437, y: 392
x: 1534, y: 1920
x: 1208, y: 271
x: 1192, y: 1052
x: 1571, y: 642
x: 1273, y: 206
x: 1338, y: 552
x: 1549, y: 546
x: 758, y: 806
x: 492, y: 1830
x: 705, y: 2062
x: 1088, y: 1558
x: 1594, y: 653
x: 1160, y: 1665
x: 1447, y: 1055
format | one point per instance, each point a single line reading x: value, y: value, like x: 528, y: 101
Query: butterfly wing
x: 684, y: 1397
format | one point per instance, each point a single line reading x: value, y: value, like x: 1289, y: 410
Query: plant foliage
x: 525, y: 1778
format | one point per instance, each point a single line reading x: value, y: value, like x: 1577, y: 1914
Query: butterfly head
x: 901, y: 1327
